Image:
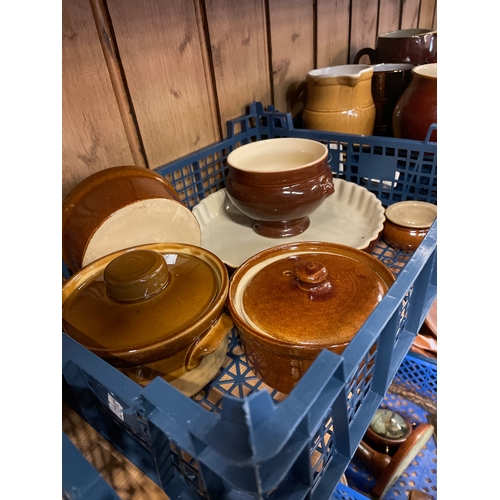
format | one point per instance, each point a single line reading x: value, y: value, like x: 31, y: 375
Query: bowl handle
x: 209, y: 342
x: 327, y: 186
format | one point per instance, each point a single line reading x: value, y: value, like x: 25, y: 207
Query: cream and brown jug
x: 339, y: 99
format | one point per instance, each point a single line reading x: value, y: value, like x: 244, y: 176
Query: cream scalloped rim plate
x: 351, y: 216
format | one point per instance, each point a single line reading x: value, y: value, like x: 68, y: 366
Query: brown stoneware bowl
x: 407, y: 223
x: 152, y: 310
x: 121, y: 207
x: 278, y: 183
x: 291, y: 301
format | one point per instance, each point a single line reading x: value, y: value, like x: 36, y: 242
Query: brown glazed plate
x: 291, y: 301
x: 121, y: 207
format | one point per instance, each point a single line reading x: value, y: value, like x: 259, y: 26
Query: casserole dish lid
x: 144, y: 303
x: 308, y: 294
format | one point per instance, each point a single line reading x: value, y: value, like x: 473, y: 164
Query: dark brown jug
x: 416, y: 109
x: 416, y: 46
x: 389, y: 81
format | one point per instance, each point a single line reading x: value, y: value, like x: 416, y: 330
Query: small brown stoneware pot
x: 407, y: 223
x: 121, y: 207
x: 291, y: 301
x: 153, y: 310
x: 416, y: 109
x: 278, y: 183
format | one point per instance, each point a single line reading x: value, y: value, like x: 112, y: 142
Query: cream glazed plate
x: 351, y: 216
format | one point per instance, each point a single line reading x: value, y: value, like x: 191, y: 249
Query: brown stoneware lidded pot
x: 278, y: 183
x: 121, y: 207
x: 153, y: 310
x: 291, y: 301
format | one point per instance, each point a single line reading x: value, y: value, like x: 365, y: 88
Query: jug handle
x: 366, y: 52
x: 432, y: 127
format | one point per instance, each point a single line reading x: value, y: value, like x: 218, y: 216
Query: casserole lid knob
x: 312, y: 277
x: 136, y: 276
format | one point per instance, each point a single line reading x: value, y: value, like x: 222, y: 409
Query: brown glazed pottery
x: 152, y: 310
x: 339, y: 99
x: 416, y: 46
x: 416, y: 109
x: 389, y: 81
x: 120, y: 207
x: 431, y: 319
x: 387, y: 469
x: 278, y: 183
x: 291, y: 301
x: 407, y: 223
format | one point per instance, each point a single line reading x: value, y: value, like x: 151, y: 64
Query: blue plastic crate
x: 238, y: 439
x: 80, y: 480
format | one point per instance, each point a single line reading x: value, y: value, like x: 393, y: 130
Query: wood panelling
x: 164, y: 59
x: 363, y: 26
x: 388, y: 16
x: 93, y: 133
x: 427, y: 14
x: 118, y: 80
x: 240, y: 55
x: 148, y: 81
x: 409, y: 14
x: 292, y: 49
x: 332, y: 41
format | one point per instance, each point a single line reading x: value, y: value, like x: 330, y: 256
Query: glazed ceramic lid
x: 307, y: 294
x: 144, y: 303
x: 412, y: 214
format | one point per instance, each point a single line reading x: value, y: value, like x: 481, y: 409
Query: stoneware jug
x: 416, y: 109
x: 389, y: 82
x: 339, y: 99
x: 416, y: 46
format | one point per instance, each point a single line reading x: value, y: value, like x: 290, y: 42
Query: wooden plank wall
x: 148, y: 81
